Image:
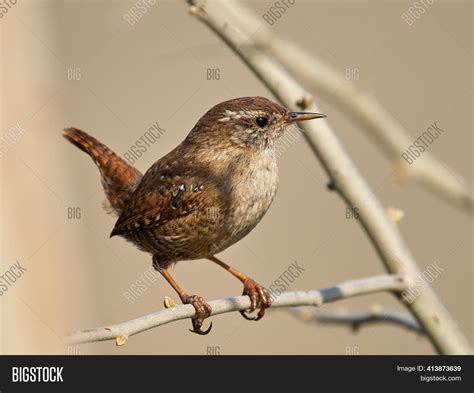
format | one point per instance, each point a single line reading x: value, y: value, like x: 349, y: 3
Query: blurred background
x: 92, y: 65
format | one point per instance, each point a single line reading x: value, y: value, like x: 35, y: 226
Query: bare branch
x: 121, y: 331
x: 371, y: 116
x: 440, y: 327
x: 356, y: 319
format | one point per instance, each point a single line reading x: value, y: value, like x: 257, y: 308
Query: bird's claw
x: 259, y: 296
x: 203, y: 311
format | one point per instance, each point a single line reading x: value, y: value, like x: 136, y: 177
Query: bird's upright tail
x: 119, y: 178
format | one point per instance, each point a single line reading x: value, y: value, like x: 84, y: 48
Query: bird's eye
x: 261, y: 121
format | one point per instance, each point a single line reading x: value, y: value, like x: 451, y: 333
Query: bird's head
x: 248, y: 121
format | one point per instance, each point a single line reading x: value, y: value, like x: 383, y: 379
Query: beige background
x: 155, y: 71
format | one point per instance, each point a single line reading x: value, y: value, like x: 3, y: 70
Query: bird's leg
x: 203, y: 310
x: 259, y: 295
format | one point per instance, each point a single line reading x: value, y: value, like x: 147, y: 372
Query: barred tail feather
x: 119, y: 178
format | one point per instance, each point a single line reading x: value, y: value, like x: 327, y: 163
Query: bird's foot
x: 259, y: 296
x: 203, y: 311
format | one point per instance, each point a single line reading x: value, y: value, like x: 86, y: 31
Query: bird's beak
x: 301, y: 116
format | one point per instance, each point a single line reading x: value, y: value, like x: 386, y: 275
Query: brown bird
x: 203, y: 196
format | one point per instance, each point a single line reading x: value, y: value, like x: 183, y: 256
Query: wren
x: 203, y: 196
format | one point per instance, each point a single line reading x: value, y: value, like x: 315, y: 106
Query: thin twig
x: 121, y: 331
x: 440, y: 327
x: 356, y: 319
x: 364, y: 108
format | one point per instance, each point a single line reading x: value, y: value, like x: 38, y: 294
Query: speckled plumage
x: 203, y: 196
x: 211, y: 190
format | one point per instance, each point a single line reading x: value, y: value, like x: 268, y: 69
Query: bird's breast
x: 255, y: 184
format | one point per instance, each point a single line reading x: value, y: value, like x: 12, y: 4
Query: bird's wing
x: 162, y: 197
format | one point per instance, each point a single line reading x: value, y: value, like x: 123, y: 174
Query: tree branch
x: 371, y: 116
x: 356, y: 319
x: 440, y: 327
x: 348, y: 289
